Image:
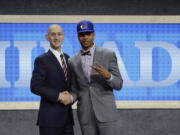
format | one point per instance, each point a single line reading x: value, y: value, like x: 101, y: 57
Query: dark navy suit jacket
x: 47, y: 81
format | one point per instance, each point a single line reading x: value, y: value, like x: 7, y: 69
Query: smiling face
x: 55, y: 36
x: 86, y: 39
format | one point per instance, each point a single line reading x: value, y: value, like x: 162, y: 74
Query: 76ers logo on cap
x: 83, y: 26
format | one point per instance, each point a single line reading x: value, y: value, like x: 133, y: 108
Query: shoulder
x: 42, y: 57
x: 74, y: 57
x: 105, y: 51
x: 66, y: 55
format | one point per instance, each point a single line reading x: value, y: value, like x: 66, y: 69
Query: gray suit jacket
x: 98, y: 92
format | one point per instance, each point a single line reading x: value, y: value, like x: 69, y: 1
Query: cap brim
x: 83, y: 31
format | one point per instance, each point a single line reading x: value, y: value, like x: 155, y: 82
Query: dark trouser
x: 66, y: 130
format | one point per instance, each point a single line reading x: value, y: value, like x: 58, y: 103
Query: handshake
x: 65, y: 98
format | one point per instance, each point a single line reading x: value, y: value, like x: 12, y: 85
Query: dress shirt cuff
x: 59, y: 97
x: 72, y: 99
x: 110, y: 79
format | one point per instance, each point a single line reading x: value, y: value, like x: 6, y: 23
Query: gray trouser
x: 94, y: 127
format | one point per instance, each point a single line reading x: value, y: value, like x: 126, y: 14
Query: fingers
x: 66, y: 101
x: 97, y: 66
x: 65, y: 92
x: 65, y: 98
x: 101, y: 71
x: 95, y: 73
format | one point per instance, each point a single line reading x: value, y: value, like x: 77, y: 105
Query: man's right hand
x: 65, y: 98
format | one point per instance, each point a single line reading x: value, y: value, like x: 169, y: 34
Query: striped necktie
x: 64, y: 66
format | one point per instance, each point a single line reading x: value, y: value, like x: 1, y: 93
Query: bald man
x: 50, y: 80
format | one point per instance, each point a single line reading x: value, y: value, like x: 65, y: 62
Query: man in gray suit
x: 95, y: 74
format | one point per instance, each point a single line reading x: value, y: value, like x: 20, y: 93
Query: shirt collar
x: 55, y: 52
x: 91, y: 49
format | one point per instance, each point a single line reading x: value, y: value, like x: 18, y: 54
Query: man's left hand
x: 101, y: 71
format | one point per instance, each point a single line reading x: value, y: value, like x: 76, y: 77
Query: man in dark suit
x: 95, y: 74
x: 50, y: 80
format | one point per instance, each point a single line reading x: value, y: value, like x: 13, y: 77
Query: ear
x: 47, y: 37
x: 93, y: 34
x: 63, y: 36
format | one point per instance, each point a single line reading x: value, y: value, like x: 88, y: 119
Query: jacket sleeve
x: 117, y: 81
x: 74, y: 85
x: 38, y: 86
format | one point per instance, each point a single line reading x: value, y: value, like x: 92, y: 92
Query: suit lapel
x: 97, y: 58
x: 55, y: 61
x: 97, y: 55
x: 79, y: 65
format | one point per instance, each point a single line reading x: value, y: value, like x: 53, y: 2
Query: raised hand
x: 101, y: 71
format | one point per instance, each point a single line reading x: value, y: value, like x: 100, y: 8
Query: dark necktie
x: 64, y: 66
x: 83, y: 53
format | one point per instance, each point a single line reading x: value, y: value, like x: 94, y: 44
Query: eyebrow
x: 56, y: 32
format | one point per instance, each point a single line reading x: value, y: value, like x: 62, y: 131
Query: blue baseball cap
x: 85, y: 26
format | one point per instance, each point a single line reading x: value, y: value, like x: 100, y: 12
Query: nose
x: 56, y: 36
x: 85, y: 36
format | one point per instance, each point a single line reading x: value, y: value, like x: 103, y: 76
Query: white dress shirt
x: 57, y: 55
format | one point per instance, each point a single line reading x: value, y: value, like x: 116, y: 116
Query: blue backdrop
x: 21, y: 43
